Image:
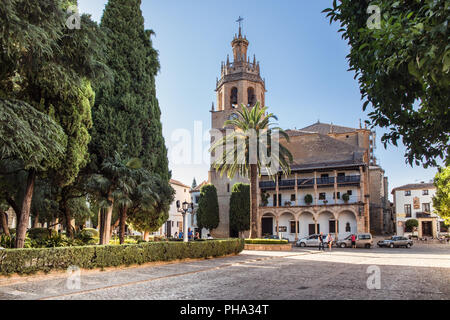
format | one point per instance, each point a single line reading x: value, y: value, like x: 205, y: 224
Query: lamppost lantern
x: 183, y: 208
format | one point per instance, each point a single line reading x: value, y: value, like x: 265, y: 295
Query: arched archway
x: 234, y: 97
x: 307, y: 224
x: 287, y: 220
x: 347, y: 224
x: 327, y: 222
x: 251, y: 97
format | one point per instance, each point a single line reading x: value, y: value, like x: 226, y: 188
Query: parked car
x: 396, y: 242
x: 311, y: 241
x: 275, y: 237
x: 363, y: 240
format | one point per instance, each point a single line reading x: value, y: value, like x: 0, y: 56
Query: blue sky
x: 302, y: 59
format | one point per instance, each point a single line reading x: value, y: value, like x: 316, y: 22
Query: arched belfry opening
x: 234, y: 97
x: 251, y: 97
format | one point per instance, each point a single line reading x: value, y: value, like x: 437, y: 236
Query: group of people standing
x: 329, y: 240
x: 191, y: 235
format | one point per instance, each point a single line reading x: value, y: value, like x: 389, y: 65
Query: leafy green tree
x: 240, y: 208
x: 50, y: 67
x: 243, y: 152
x: 208, y: 208
x: 150, y: 211
x: 36, y: 142
x: 403, y: 69
x: 441, y: 200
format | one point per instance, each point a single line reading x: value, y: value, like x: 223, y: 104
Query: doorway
x: 267, y: 226
x: 427, y: 229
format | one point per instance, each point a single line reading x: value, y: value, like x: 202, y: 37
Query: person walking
x: 176, y: 235
x: 190, y: 235
x: 353, y: 241
x: 321, y: 246
x: 329, y: 241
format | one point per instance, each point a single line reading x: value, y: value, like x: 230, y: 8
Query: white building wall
x: 401, y: 199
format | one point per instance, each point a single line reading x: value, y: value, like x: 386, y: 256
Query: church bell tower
x: 240, y: 84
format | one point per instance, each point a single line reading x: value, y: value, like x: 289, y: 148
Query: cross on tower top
x: 239, y: 20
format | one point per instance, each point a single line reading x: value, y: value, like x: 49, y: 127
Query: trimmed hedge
x: 265, y: 241
x: 29, y: 261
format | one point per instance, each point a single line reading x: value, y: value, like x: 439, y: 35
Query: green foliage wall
x: 29, y: 261
x: 208, y: 208
x: 240, y: 207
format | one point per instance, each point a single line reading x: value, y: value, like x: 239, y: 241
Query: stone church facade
x: 330, y: 161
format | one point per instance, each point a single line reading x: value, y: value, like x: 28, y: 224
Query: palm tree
x: 114, y: 185
x: 252, y: 147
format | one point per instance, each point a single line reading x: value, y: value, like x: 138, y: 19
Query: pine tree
x: 194, y: 184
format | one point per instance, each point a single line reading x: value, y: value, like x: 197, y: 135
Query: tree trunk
x: 67, y: 215
x: 114, y: 226
x: 105, y: 223
x: 253, y: 202
x: 22, y: 224
x: 36, y: 220
x: 122, y: 222
x: 15, y: 207
x: 146, y: 236
x: 4, y: 221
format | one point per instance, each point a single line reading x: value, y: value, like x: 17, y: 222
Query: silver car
x: 396, y: 242
x: 311, y: 241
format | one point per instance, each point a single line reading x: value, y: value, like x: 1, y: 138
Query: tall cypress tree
x: 127, y: 114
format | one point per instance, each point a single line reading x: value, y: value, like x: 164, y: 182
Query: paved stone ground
x: 422, y: 272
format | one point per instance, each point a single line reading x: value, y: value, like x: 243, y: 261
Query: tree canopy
x: 403, y: 68
x: 441, y: 201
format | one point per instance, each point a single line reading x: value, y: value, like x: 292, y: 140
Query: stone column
x: 335, y: 187
x: 296, y: 228
x: 315, y: 189
x: 278, y: 233
x: 276, y: 204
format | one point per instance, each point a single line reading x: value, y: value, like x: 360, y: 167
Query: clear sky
x: 302, y: 58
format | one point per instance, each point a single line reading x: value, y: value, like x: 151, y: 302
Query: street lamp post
x: 183, y: 209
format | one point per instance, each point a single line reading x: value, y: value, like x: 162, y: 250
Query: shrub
x: 265, y: 241
x: 411, y: 224
x: 41, y: 233
x: 345, y: 197
x: 93, y: 233
x: 308, y: 199
x: 29, y: 261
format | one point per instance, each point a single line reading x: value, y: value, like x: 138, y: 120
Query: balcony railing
x: 309, y: 182
x: 349, y: 179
